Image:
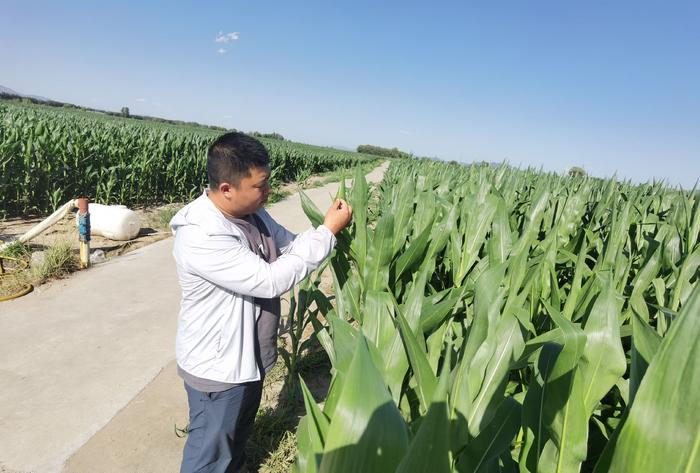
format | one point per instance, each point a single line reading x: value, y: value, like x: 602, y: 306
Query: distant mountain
x: 7, y: 91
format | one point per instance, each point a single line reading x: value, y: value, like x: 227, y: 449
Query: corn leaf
x: 367, y: 432
x: 662, y: 432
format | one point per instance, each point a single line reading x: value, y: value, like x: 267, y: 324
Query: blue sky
x: 609, y: 86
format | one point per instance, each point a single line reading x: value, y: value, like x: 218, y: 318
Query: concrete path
x: 86, y: 364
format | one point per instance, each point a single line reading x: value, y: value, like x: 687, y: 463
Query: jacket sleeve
x: 226, y: 261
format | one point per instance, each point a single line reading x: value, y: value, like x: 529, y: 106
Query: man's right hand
x: 338, y: 216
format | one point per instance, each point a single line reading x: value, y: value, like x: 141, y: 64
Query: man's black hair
x: 231, y: 157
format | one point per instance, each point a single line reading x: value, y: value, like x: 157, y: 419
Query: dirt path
x: 86, y: 364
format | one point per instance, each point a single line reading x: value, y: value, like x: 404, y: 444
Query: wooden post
x: 84, y: 232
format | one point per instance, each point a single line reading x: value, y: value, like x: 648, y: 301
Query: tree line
x: 384, y: 152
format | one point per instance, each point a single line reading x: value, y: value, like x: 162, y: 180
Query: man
x: 233, y: 262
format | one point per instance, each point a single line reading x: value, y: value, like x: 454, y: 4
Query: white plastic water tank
x: 115, y: 222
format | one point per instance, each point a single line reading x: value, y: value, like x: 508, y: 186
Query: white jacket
x: 220, y: 277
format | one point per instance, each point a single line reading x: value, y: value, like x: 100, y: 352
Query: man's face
x: 250, y: 194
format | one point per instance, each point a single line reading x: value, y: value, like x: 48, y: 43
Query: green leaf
x: 316, y: 417
x: 418, y: 358
x: 662, y: 432
x: 379, y: 254
x: 367, y: 432
x: 311, y: 433
x: 310, y: 209
x: 479, y: 222
x: 415, y: 295
x: 488, y: 298
x: 306, y: 454
x: 433, y: 314
x: 324, y: 337
x: 500, y: 242
x: 489, y: 371
x: 481, y: 453
x: 342, y: 189
x: 403, y: 213
x: 378, y: 326
x: 645, y: 345
x: 415, y: 251
x: 554, y: 419
x: 344, y: 342
x: 430, y: 449
x: 603, y: 361
x: 358, y: 200
x: 351, y: 295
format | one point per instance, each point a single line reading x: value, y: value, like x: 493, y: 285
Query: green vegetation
x: 20, y: 271
x: 271, y: 136
x: 43, y: 104
x: 48, y: 156
x: 577, y: 171
x: 383, y: 152
x: 272, y: 446
x: 17, y: 249
x: 159, y: 218
x: 492, y: 319
x: 59, y: 260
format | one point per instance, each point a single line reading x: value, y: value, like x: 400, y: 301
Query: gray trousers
x: 220, y: 424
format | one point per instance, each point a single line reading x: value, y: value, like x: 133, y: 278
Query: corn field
x: 48, y: 157
x: 502, y: 320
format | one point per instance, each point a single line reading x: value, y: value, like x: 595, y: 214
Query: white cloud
x: 221, y: 51
x: 227, y: 37
x: 228, y: 116
x: 141, y: 99
x: 404, y: 132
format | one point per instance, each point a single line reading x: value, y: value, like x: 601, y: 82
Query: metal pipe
x: 84, y: 231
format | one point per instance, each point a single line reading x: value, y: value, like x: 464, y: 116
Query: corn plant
x: 48, y: 157
x: 495, y: 319
x: 305, y: 306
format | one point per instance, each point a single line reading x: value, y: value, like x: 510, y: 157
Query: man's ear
x: 225, y: 187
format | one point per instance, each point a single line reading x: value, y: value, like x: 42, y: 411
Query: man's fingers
x: 340, y: 204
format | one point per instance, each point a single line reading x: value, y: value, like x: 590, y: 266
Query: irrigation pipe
x: 39, y: 228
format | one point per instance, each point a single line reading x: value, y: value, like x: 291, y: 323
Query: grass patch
x: 283, y: 457
x: 277, y: 195
x: 272, y: 446
x: 59, y: 261
x: 19, y: 250
x: 164, y: 216
x: 159, y: 218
